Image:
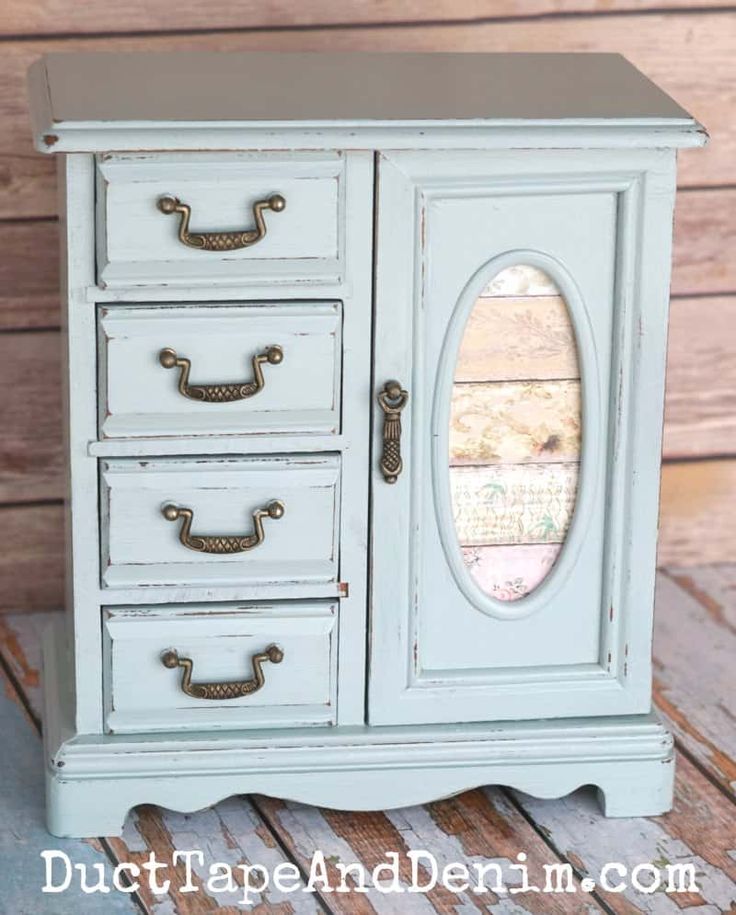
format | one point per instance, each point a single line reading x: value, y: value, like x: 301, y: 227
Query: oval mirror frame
x: 590, y: 414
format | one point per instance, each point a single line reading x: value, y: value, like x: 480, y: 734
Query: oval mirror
x: 515, y: 433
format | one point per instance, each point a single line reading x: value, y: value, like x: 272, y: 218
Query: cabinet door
x: 513, y: 546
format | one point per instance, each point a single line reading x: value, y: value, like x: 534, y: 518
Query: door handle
x: 392, y: 399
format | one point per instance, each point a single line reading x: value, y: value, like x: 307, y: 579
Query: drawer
x: 225, y: 195
x: 251, y: 369
x: 249, y: 665
x: 247, y: 522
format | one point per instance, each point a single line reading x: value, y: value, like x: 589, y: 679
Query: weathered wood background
x: 687, y: 47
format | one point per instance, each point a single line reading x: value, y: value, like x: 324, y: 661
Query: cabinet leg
x: 638, y: 790
x: 76, y: 810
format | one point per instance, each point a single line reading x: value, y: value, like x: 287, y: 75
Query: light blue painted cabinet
x: 365, y: 402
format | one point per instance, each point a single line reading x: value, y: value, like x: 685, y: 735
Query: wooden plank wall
x: 686, y: 46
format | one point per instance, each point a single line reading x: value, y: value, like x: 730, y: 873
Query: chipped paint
x: 693, y: 655
x: 231, y: 833
x: 709, y: 603
x: 706, y: 750
x: 696, y: 832
x: 11, y: 645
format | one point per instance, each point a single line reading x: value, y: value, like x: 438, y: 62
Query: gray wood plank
x: 31, y: 462
x: 700, y: 411
x: 232, y: 832
x: 694, y: 651
x: 699, y: 831
x: 475, y: 827
x: 23, y: 834
x: 697, y: 521
x: 39, y: 17
x: 32, y: 561
x: 20, y: 647
x: 714, y: 587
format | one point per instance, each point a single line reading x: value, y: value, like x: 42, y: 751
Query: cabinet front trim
x: 640, y: 184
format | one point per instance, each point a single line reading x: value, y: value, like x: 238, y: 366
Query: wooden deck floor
x: 695, y: 685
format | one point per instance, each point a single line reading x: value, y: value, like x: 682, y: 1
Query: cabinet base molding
x: 93, y: 781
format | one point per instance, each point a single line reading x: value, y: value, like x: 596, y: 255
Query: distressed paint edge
x: 89, y: 136
x: 630, y: 761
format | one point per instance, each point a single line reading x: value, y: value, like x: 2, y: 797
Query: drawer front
x: 141, y: 240
x: 249, y: 369
x: 147, y: 506
x: 220, y: 665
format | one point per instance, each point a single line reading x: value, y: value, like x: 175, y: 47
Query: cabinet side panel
x: 76, y: 174
x: 637, y: 416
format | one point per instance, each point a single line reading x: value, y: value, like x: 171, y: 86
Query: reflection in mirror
x: 515, y: 433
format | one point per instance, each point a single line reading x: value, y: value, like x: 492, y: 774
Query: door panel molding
x: 591, y: 439
x: 403, y: 686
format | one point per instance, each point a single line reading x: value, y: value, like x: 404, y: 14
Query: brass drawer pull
x: 392, y: 399
x: 222, y: 543
x: 221, y: 393
x: 233, y: 689
x: 221, y: 241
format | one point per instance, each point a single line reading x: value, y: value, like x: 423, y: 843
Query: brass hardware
x: 221, y: 393
x: 221, y: 241
x: 233, y: 689
x: 392, y: 399
x: 222, y: 543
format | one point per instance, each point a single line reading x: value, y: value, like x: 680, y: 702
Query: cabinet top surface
x: 77, y: 92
